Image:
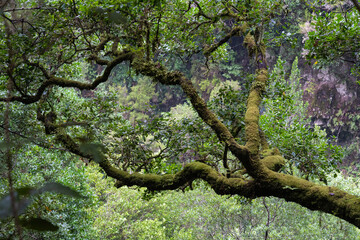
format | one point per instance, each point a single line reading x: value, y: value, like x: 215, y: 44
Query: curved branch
x: 268, y: 183
x: 310, y: 195
x: 160, y: 74
x: 62, y: 82
x: 191, y: 171
x: 313, y: 196
x: 264, y: 183
x: 236, y: 30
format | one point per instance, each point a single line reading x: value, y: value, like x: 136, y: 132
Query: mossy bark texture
x: 261, y: 163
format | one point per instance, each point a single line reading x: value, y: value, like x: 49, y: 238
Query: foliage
x: 39, y: 161
x: 36, y: 166
x: 202, y: 214
x: 335, y: 37
x: 54, y: 45
x: 288, y: 128
x: 227, y: 99
x: 139, y: 99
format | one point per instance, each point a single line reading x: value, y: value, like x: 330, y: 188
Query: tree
x: 43, y: 45
x: 335, y: 36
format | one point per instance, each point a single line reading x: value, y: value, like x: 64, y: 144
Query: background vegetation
x: 149, y: 127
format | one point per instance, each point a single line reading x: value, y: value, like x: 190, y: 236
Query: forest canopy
x: 62, y: 62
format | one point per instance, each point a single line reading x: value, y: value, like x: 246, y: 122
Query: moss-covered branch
x: 307, y: 194
x: 195, y: 170
x: 313, y: 196
x: 252, y: 115
x: 160, y: 74
x: 258, y: 163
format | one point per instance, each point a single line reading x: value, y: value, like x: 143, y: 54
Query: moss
x: 244, y: 27
x: 156, y: 71
x: 252, y: 127
x: 269, y: 152
x: 272, y: 159
x: 262, y: 75
x: 259, y: 85
x: 252, y: 113
x: 313, y: 196
x: 262, y: 48
x: 249, y: 43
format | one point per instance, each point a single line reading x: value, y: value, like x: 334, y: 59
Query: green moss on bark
x: 252, y: 113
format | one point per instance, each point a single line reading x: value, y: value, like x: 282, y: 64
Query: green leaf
x: 38, y: 224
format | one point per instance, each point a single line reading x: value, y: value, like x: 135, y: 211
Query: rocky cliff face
x: 332, y: 93
x: 334, y: 103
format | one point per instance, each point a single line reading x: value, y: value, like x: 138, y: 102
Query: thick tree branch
x: 314, y: 196
x: 356, y: 4
x: 261, y: 163
x: 269, y: 183
x: 310, y: 195
x: 252, y: 115
x: 190, y: 172
x: 159, y: 74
